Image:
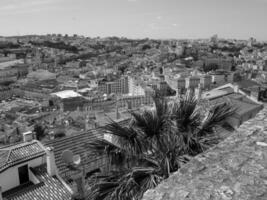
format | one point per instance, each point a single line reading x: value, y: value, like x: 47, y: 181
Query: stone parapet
x: 235, y: 169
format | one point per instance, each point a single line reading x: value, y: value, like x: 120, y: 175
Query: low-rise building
x: 245, y: 106
x: 68, y: 100
x: 222, y: 77
x: 8, y: 75
x: 192, y: 82
x: 38, y: 90
x: 28, y: 171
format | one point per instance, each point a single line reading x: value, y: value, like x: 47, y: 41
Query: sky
x: 159, y: 19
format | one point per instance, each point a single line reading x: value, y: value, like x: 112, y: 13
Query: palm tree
x: 155, y: 144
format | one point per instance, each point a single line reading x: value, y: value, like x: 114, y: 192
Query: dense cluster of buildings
x: 55, y: 91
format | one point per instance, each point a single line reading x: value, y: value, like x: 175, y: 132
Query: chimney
x: 50, y: 161
x: 80, y: 182
x: 1, y: 197
x: 27, y: 136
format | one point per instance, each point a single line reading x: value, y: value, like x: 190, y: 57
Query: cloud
x: 157, y: 26
x: 159, y: 17
x: 132, y: 0
x: 153, y: 26
x: 8, y: 7
x: 19, y: 6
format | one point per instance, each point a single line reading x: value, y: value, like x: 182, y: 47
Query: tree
x: 39, y: 131
x: 146, y: 46
x: 122, y: 68
x: 60, y: 133
x: 155, y: 144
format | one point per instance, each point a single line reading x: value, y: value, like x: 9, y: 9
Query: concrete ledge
x: 236, y: 169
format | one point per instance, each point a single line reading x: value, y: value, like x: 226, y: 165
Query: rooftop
x: 247, y: 83
x: 235, y: 169
x: 41, y: 74
x: 77, y: 144
x: 66, y: 94
x: 212, y: 94
x: 10, y: 156
x: 48, y: 188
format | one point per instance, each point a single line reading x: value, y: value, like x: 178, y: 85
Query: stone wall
x: 236, y: 169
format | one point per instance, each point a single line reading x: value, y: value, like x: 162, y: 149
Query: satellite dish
x: 67, y: 156
x: 77, y: 159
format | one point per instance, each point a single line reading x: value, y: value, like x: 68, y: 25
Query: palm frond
x: 185, y: 113
x: 216, y: 117
x: 101, y: 147
x: 152, y: 122
x: 125, y: 185
x: 154, y: 145
x: 102, y: 191
x: 135, y: 183
x: 126, y: 137
x: 204, y: 137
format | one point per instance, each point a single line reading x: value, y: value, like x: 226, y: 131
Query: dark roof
x: 16, y: 154
x: 247, y: 83
x: 240, y: 102
x: 77, y: 144
x: 49, y: 188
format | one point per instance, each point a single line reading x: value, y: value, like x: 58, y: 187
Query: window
x: 23, y: 174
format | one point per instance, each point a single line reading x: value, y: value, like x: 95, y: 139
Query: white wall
x: 10, y: 177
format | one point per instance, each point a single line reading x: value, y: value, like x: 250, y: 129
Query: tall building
x: 120, y: 86
x: 192, y: 81
x: 135, y: 88
x: 206, y: 81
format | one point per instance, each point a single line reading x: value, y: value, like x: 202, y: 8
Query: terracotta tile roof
x: 49, y: 188
x: 247, y: 83
x: 240, y: 102
x: 16, y: 154
x: 3, y: 157
x: 77, y: 145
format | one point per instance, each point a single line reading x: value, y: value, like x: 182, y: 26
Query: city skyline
x: 157, y: 19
